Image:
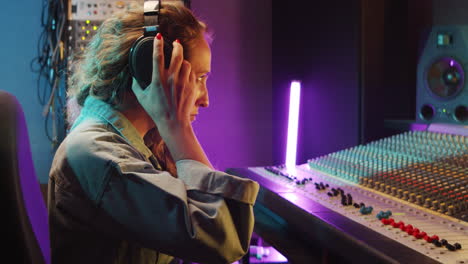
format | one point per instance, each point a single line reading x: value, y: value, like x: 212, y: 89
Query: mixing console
x: 424, y: 168
x: 411, y: 188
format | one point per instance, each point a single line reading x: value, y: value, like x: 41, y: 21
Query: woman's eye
x: 201, y: 78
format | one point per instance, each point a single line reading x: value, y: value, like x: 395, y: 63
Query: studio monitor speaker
x: 442, y: 88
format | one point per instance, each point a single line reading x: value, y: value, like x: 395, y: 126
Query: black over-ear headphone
x: 141, y: 52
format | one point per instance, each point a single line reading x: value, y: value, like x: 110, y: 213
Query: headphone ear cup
x: 141, y: 59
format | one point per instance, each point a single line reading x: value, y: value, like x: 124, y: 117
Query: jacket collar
x: 96, y: 108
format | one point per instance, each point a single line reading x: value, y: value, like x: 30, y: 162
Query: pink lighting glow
x: 451, y: 63
x: 293, y: 123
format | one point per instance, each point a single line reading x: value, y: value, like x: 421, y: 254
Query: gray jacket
x: 110, y: 202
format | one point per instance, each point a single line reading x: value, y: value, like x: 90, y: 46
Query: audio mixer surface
x: 401, y: 199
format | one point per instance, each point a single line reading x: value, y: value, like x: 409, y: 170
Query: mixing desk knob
x: 451, y: 210
x: 361, y: 180
x: 377, y: 185
x: 388, y: 189
x: 400, y: 193
x: 442, y: 208
x: 405, y: 195
x: 370, y: 183
x: 419, y: 199
x: 382, y: 187
x: 435, y: 205
x: 427, y: 203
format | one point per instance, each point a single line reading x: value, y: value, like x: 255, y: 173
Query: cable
x: 50, y: 66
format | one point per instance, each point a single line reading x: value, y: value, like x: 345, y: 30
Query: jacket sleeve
x: 204, y: 215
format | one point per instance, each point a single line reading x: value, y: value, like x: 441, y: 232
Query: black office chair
x: 24, y: 215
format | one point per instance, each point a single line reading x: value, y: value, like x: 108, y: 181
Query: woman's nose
x: 203, y: 99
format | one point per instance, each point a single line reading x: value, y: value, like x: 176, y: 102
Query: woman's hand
x: 170, y: 97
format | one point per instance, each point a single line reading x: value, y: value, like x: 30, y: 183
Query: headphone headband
x: 141, y: 52
x: 151, y: 13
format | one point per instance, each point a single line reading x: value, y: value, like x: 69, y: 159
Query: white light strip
x: 293, y: 123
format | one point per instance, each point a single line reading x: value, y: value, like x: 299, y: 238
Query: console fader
x: 411, y: 190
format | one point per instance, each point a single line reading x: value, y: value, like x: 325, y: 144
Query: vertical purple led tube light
x: 293, y: 124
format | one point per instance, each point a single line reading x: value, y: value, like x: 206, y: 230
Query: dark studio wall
x: 235, y: 130
x: 318, y: 43
x: 449, y: 12
x: 393, y: 33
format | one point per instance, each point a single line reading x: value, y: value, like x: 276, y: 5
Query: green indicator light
x: 87, y: 21
x: 87, y: 31
x: 444, y: 110
x: 95, y: 28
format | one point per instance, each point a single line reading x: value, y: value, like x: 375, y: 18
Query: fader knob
x: 442, y: 208
x: 427, y: 203
x: 406, y: 195
x: 451, y: 210
x: 419, y: 199
x: 400, y: 193
x: 382, y: 187
x: 364, y: 181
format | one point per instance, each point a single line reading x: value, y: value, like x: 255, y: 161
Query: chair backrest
x: 25, y: 228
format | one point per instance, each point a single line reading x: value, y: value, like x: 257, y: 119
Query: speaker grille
x: 445, y: 78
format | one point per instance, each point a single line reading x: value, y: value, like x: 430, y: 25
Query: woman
x: 131, y: 183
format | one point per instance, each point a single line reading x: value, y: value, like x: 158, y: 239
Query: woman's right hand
x: 170, y: 97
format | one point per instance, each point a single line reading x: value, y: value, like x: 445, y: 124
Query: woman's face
x: 200, y: 59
